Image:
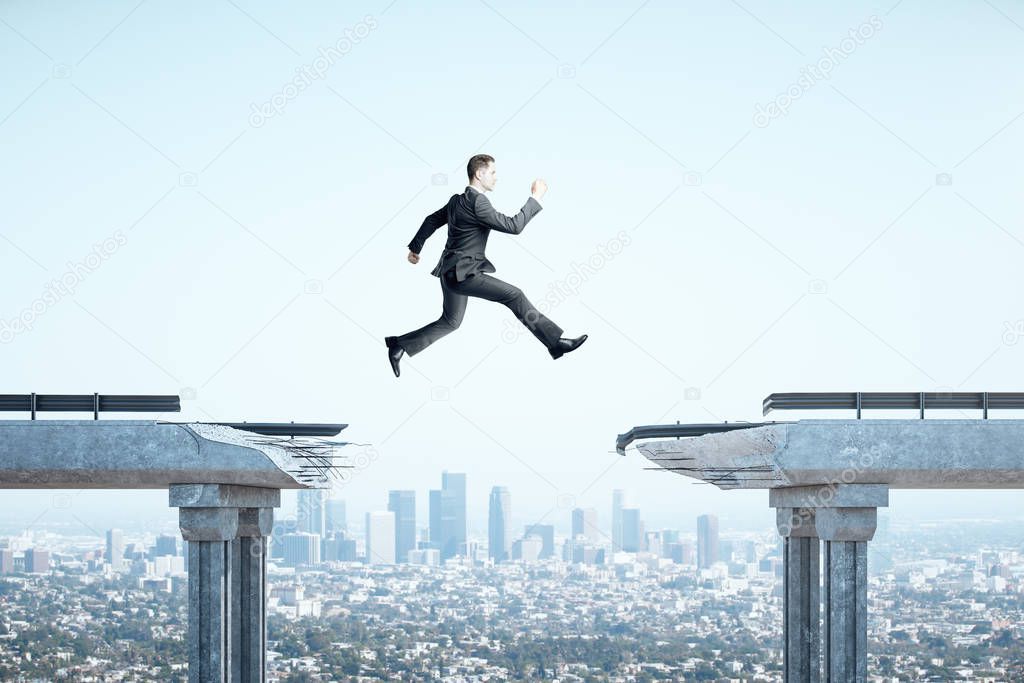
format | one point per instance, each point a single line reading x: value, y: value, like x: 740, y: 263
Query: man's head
x: 481, y: 169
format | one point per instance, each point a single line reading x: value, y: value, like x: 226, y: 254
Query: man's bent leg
x: 484, y: 286
x: 453, y: 310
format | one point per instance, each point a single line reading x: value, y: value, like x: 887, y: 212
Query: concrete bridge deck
x: 901, y: 453
x: 142, y: 454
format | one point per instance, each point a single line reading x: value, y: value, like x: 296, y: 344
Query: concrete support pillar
x: 846, y: 532
x: 249, y: 595
x: 209, y: 534
x: 801, y: 624
x: 845, y: 516
x: 226, y: 528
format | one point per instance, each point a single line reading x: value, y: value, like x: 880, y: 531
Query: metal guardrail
x: 895, y: 400
x: 111, y: 403
x: 850, y: 400
x: 285, y: 428
x: 679, y: 430
x: 94, y: 403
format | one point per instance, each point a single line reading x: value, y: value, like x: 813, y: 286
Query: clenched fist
x: 413, y: 257
x: 538, y: 188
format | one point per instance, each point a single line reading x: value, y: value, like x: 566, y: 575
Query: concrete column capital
x: 846, y: 524
x: 208, y: 524
x: 796, y: 522
x: 222, y: 495
x: 255, y: 522
x: 836, y: 495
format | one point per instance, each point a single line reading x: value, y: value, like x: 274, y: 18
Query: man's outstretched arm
x: 514, y: 225
x: 430, y: 224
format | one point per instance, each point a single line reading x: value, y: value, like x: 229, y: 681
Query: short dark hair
x: 477, y: 162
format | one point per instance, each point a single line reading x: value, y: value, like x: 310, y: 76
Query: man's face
x: 488, y: 176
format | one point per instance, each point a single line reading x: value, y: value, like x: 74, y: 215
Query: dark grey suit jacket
x: 470, y: 219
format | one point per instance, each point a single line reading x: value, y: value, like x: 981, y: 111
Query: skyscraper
x: 498, y: 524
x: 282, y: 527
x: 337, y: 521
x: 527, y: 549
x: 337, y: 548
x: 115, y: 549
x: 632, y: 530
x: 301, y: 548
x: 380, y: 537
x: 584, y: 523
x: 453, y: 514
x: 620, y: 499
x: 166, y: 544
x: 403, y: 504
x: 435, y: 533
x: 546, y: 533
x: 311, y: 511
x: 707, y: 541
x: 37, y: 561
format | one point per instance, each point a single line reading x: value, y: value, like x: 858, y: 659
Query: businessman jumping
x: 463, y: 266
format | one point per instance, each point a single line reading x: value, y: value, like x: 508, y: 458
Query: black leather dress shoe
x: 395, y: 353
x: 565, y: 345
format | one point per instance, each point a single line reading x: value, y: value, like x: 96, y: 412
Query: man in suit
x: 463, y: 267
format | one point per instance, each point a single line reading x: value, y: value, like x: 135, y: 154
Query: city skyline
x: 208, y: 222
x: 962, y: 596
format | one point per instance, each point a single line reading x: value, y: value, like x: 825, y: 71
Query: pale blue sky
x: 817, y: 252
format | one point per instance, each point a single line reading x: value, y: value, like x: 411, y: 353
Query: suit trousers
x: 482, y: 286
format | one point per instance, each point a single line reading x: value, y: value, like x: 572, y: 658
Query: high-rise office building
x: 584, y: 523
x: 452, y: 504
x: 652, y: 542
x: 725, y: 550
x: 582, y: 552
x: 434, y: 525
x: 37, y: 561
x: 337, y: 520
x: 472, y: 550
x: 403, y: 504
x: 620, y: 499
x: 166, y: 544
x: 499, y: 521
x: 282, y: 528
x: 749, y: 552
x: 680, y: 552
x: 527, y: 549
x: 312, y: 511
x: 632, y: 530
x: 6, y: 560
x: 546, y: 534
x: 301, y: 548
x: 380, y: 537
x: 115, y: 549
x: 338, y: 548
x: 707, y: 541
